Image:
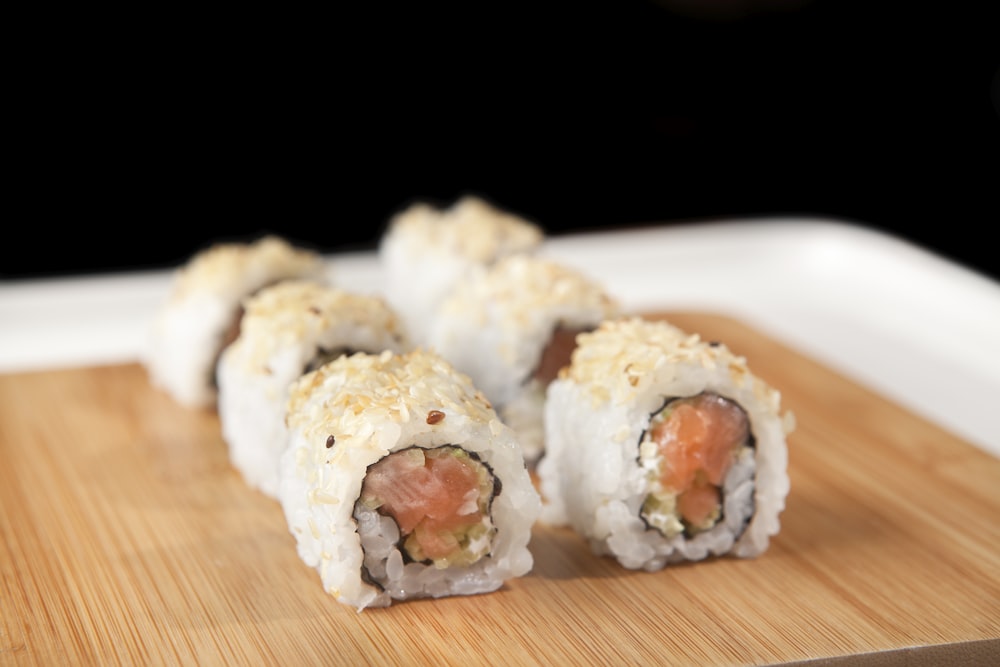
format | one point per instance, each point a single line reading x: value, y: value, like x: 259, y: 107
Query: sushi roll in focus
x: 662, y: 447
x: 401, y: 482
x: 289, y: 329
x: 201, y: 313
x: 512, y: 327
x: 425, y: 251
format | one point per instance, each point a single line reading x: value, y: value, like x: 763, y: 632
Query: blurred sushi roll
x: 662, y: 447
x: 401, y: 482
x: 512, y: 327
x: 288, y: 329
x: 425, y: 251
x: 202, y: 311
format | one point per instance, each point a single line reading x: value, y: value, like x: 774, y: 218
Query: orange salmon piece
x: 680, y: 439
x: 699, y: 441
x: 428, y: 496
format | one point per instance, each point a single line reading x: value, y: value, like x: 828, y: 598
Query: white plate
x: 908, y: 324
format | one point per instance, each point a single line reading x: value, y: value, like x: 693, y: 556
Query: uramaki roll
x: 426, y: 251
x: 288, y: 329
x: 401, y: 482
x: 512, y: 326
x: 201, y: 313
x: 662, y: 447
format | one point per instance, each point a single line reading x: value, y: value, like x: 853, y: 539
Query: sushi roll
x: 401, y: 482
x: 512, y: 327
x: 201, y: 313
x: 288, y: 329
x: 662, y: 447
x: 425, y: 251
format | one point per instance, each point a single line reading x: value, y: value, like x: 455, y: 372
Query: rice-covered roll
x: 201, y: 313
x: 425, y: 251
x: 512, y: 327
x: 288, y: 329
x: 400, y: 481
x: 662, y: 447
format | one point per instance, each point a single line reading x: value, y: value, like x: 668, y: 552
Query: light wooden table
x: 129, y: 539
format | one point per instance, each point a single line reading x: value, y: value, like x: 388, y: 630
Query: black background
x: 140, y: 139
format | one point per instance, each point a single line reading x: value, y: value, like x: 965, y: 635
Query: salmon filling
x: 556, y: 354
x: 440, y: 500
x: 689, y: 447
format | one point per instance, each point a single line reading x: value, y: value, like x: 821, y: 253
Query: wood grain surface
x: 129, y: 539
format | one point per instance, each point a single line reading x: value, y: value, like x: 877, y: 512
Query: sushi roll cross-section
x: 512, y: 327
x: 663, y: 447
x: 426, y: 251
x: 400, y: 481
x: 202, y: 311
x: 288, y: 329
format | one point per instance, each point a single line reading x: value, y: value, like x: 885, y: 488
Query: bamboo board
x: 128, y: 539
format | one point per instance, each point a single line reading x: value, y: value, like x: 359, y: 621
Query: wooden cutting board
x: 128, y: 539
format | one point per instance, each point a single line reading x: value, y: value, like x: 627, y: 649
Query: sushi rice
x: 426, y: 251
x: 499, y: 325
x: 202, y: 310
x: 288, y: 329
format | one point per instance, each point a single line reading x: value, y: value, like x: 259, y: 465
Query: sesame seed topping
x: 471, y: 228
x: 234, y: 269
